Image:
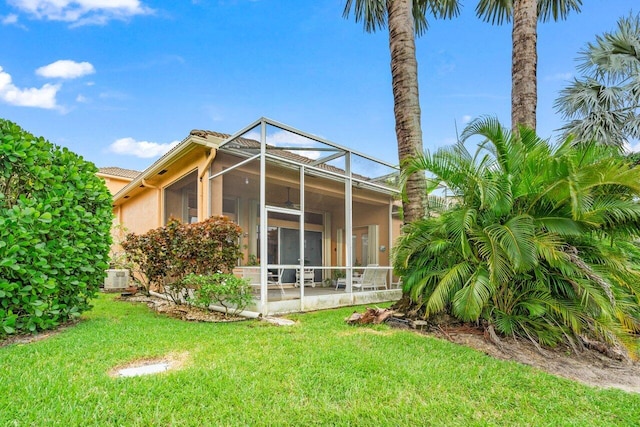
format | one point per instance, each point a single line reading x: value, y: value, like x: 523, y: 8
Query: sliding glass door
x: 284, y: 248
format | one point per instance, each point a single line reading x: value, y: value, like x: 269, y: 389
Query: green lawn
x: 318, y: 372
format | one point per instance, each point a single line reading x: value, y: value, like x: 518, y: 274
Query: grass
x: 318, y: 372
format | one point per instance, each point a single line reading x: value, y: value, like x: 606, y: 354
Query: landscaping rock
x: 278, y: 321
x: 419, y: 324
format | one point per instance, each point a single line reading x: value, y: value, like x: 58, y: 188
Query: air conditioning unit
x: 116, y: 280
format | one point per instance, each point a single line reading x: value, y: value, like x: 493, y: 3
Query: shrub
x: 55, y: 217
x: 167, y: 254
x: 226, y: 290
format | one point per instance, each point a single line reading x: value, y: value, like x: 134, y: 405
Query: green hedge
x: 55, y: 220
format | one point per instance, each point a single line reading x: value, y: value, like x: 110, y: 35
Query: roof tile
x: 116, y: 171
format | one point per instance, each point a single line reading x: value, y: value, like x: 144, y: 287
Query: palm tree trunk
x: 404, y: 77
x: 524, y: 62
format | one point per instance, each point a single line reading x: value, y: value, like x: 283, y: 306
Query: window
x: 230, y: 208
x: 181, y: 199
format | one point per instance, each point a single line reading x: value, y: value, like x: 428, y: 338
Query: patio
x: 291, y: 293
x: 306, y: 205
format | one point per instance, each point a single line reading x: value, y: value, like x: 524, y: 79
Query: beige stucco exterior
x: 114, y: 183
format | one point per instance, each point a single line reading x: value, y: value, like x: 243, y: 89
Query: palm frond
x: 372, y: 13
x: 495, y: 11
x: 460, y: 223
x: 557, y: 9
x: 549, y: 249
x: 450, y: 282
x: 560, y: 226
x: 490, y: 251
x: 469, y: 302
x: 439, y: 9
x: 614, y: 54
x: 516, y: 239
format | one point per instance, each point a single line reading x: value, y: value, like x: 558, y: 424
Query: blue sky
x: 118, y: 81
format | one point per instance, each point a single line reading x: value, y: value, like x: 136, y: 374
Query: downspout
x: 119, y: 214
x: 210, y: 158
x: 159, y: 216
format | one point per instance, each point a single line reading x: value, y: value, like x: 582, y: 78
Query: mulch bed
x: 183, y: 312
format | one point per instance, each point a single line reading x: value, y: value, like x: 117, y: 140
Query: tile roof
x: 204, y: 133
x: 116, y: 171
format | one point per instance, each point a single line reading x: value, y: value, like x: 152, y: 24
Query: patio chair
x: 253, y: 274
x: 372, y: 278
x: 308, y: 277
x: 356, y: 278
x: 275, y: 279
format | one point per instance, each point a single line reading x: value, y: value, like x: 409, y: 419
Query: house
x: 311, y: 211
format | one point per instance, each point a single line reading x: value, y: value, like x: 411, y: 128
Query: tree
x: 604, y: 104
x: 55, y: 221
x: 535, y: 241
x: 405, y: 19
x: 524, y: 57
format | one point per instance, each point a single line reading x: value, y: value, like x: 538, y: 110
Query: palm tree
x: 405, y: 20
x: 524, y: 56
x: 535, y: 240
x: 605, y: 103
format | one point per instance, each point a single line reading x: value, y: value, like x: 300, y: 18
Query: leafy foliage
x: 167, y: 254
x: 604, y: 103
x: 535, y: 240
x: 500, y: 11
x: 55, y: 217
x: 227, y: 290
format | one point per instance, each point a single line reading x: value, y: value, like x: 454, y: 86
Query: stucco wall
x: 143, y: 210
x: 141, y: 213
x: 114, y: 184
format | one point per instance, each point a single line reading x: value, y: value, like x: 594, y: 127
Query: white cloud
x: 82, y: 12
x: 559, y: 77
x: 82, y: 98
x: 142, y: 149
x: 45, y: 97
x: 10, y: 19
x: 66, y: 69
x: 466, y: 119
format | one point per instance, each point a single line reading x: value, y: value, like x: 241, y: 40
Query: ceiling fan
x: 289, y: 204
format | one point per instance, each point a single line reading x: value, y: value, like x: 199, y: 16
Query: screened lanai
x: 318, y: 219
